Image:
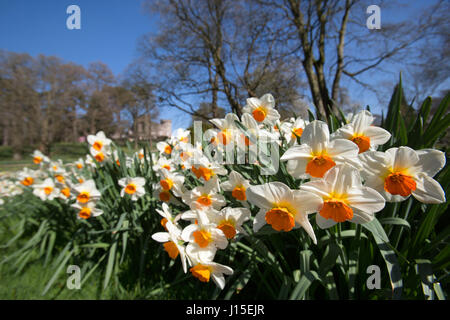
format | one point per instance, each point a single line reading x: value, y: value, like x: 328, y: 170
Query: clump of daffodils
x: 208, y: 195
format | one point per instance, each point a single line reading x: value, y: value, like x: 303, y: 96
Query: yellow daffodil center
x: 281, y: 219
x: 362, y: 142
x: 79, y: 166
x: 336, y: 210
x: 28, y: 181
x: 297, y: 132
x: 130, y: 188
x: 83, y: 197
x: 259, y: 114
x: 48, y: 190
x: 204, y: 200
x: 398, y: 183
x: 224, y: 136
x: 172, y: 249
x: 166, y: 184
x: 100, y: 157
x: 168, y: 149
x: 201, y: 272
x: 37, y: 160
x: 203, y: 172
x: 85, y: 213
x: 202, y: 238
x: 228, y: 228
x: 66, y: 192
x: 98, y: 145
x: 164, y: 196
x: 166, y: 166
x: 239, y: 193
x: 60, y: 178
x: 141, y: 156
x: 318, y: 165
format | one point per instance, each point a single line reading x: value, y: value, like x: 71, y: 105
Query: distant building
x: 148, y: 129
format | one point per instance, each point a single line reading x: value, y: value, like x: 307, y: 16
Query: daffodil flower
x: 237, y: 185
x: 173, y: 243
x: 361, y: 131
x: 167, y: 215
x: 99, y: 142
x: 206, y: 196
x: 283, y: 208
x: 164, y: 148
x: 292, y: 130
x: 262, y: 109
x: 170, y: 180
x: 86, y: 192
x: 401, y: 172
x: 46, y: 190
x: 87, y: 210
x: 39, y: 157
x: 230, y: 220
x: 317, y: 154
x: 227, y: 128
x: 26, y: 177
x: 134, y: 187
x: 344, y: 197
x: 204, y: 271
x: 204, y: 240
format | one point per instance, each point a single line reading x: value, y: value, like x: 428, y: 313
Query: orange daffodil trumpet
x: 283, y: 208
x: 317, y: 153
x: 361, y: 131
x: 401, y: 172
x: 344, y: 197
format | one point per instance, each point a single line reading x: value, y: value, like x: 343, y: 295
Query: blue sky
x: 109, y: 33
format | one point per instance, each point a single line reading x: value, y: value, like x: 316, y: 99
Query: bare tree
x: 216, y: 52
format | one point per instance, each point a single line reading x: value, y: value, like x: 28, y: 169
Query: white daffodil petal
x: 428, y: 190
x: 343, y: 148
x: 297, y: 152
x: 365, y: 199
x: 264, y: 196
x: 260, y: 220
x: 403, y: 157
x: 431, y: 161
x: 161, y: 236
x: 324, y: 223
x: 377, y: 135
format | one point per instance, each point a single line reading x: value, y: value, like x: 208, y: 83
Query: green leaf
x: 58, y: 270
x: 303, y: 285
x: 396, y: 221
x: 389, y: 256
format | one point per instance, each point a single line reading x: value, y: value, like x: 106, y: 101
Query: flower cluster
x: 205, y: 201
